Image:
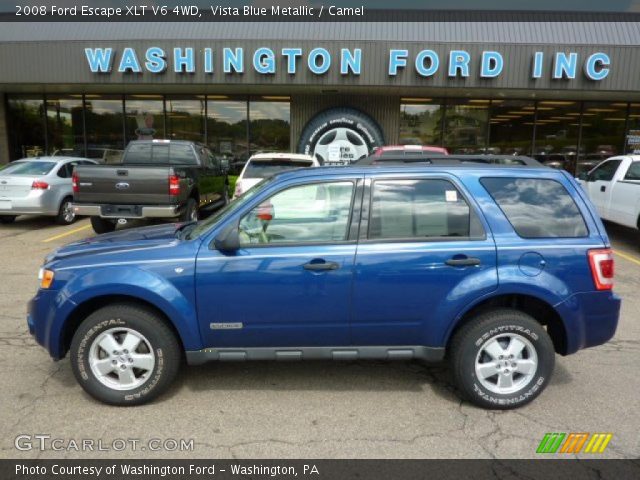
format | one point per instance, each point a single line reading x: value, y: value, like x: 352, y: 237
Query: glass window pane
x: 465, y: 129
x: 185, y: 118
x: 557, y: 126
x: 421, y: 122
x: 603, y: 127
x: 632, y: 141
x: 606, y: 171
x: 418, y: 209
x: 305, y: 214
x: 25, y: 124
x: 144, y: 117
x: 65, y: 126
x: 34, y: 167
x: 634, y: 172
x: 227, y: 131
x: 511, y: 127
x: 270, y: 126
x: 537, y: 208
x: 105, y: 123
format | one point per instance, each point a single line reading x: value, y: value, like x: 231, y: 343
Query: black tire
x: 6, y: 219
x: 163, y: 344
x: 468, y: 343
x: 190, y: 212
x: 63, y: 218
x: 361, y: 125
x: 102, y: 225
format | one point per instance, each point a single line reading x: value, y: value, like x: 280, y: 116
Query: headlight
x: 46, y: 277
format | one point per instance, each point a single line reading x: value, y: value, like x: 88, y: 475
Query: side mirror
x: 228, y: 241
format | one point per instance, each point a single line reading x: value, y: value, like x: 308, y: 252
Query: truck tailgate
x: 126, y: 185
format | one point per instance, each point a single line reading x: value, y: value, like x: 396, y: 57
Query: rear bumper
x: 146, y: 211
x: 41, y: 202
x: 590, y: 319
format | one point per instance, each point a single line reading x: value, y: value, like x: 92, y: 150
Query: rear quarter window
x: 537, y: 207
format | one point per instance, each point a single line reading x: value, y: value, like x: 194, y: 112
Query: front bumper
x: 590, y: 319
x: 146, y: 211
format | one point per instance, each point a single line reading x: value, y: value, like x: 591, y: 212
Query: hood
x: 133, y: 238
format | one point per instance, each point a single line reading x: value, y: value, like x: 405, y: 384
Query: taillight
x: 602, y: 268
x: 74, y: 183
x: 174, y: 185
x: 39, y: 185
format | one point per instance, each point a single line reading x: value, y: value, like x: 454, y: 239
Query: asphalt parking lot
x: 307, y: 410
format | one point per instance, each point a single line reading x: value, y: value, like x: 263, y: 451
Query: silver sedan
x: 39, y: 186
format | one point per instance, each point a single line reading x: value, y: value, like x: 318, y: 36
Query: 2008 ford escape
x: 494, y: 268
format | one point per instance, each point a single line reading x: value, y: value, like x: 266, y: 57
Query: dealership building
x: 548, y: 87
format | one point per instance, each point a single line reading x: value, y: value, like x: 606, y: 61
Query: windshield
x: 197, y: 229
x: 28, y: 168
x: 266, y: 167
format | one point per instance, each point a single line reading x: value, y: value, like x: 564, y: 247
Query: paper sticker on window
x: 451, y: 196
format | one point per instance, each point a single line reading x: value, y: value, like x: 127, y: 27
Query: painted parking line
x: 628, y: 257
x: 66, y: 234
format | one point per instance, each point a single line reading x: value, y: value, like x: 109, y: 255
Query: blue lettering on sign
x: 129, y: 61
x: 565, y: 66
x: 325, y: 57
x: 183, y: 62
x: 232, y: 60
x: 492, y: 64
x: 597, y: 66
x: 538, y: 57
x: 459, y: 61
x: 350, y: 61
x: 397, y: 59
x: 99, y: 59
x: 208, y: 60
x: 434, y: 63
x: 264, y: 60
x: 291, y: 54
x: 156, y: 60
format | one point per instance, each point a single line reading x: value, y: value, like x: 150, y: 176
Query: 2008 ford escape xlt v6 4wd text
x: 495, y: 268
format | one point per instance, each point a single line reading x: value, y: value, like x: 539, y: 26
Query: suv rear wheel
x: 124, y: 355
x: 502, y: 359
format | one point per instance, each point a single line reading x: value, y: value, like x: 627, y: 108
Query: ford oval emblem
x: 122, y: 186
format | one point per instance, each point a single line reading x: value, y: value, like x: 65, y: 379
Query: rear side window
x: 634, y: 172
x: 537, y: 208
x: 420, y: 209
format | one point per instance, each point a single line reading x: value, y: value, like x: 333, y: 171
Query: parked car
x: 495, y: 268
x: 39, y: 186
x: 156, y: 179
x: 614, y: 188
x: 263, y: 165
x: 408, y: 150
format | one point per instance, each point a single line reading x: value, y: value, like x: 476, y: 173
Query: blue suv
x: 494, y: 268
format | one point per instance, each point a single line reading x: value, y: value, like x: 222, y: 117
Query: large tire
x: 66, y: 216
x: 124, y: 355
x: 102, y: 225
x: 340, y: 136
x: 502, y: 359
x: 190, y: 212
x: 6, y: 219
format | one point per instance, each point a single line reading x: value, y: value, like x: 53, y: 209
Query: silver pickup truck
x: 157, y: 178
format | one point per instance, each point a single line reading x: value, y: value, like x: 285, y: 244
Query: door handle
x: 603, y: 188
x: 320, y: 266
x: 463, y: 262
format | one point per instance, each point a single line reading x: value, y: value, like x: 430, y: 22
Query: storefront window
x: 104, y: 120
x: 65, y: 126
x: 25, y: 122
x: 603, y: 126
x: 632, y: 139
x: 144, y: 117
x: 227, y: 129
x: 511, y: 127
x: 270, y: 124
x: 465, y: 126
x: 420, y: 122
x: 557, y: 127
x: 185, y: 118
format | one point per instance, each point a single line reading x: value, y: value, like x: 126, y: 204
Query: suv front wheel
x: 502, y: 359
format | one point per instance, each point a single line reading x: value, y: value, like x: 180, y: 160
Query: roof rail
x: 439, y: 160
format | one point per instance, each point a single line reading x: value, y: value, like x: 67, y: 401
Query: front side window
x: 606, y: 171
x: 419, y: 209
x: 537, y: 208
x: 314, y: 213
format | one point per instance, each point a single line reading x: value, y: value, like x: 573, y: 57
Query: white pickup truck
x: 614, y: 188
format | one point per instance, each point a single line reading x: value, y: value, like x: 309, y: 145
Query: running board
x: 228, y: 354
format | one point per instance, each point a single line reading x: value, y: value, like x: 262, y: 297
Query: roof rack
x: 439, y: 159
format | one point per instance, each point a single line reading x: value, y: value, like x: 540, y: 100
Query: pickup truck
x: 157, y: 178
x: 614, y: 188
x: 495, y: 268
